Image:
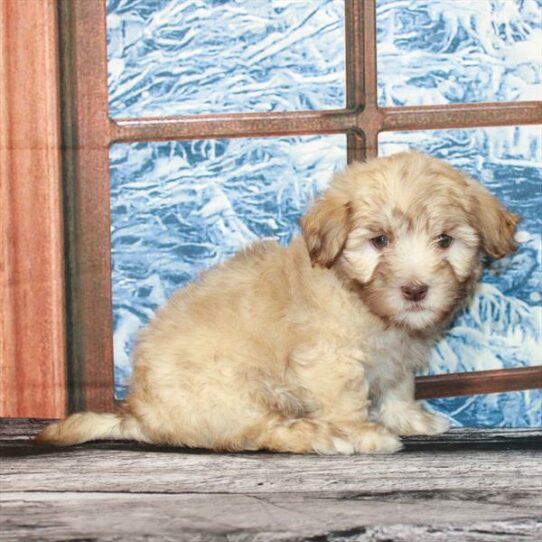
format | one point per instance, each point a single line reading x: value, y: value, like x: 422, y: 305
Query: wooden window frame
x: 88, y: 132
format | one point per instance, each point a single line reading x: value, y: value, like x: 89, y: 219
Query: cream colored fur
x: 313, y: 347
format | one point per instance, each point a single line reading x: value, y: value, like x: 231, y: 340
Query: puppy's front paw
x: 435, y: 424
x: 376, y: 439
x: 406, y: 419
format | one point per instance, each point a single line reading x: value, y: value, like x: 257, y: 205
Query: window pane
x: 173, y: 57
x: 180, y: 207
x: 503, y: 326
x: 446, y: 51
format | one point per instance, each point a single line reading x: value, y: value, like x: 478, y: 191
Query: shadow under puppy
x: 313, y: 347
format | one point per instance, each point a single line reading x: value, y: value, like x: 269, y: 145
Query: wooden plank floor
x: 468, y: 485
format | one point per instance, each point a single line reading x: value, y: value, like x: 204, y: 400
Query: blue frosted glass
x: 172, y: 57
x: 445, y: 51
x: 180, y: 207
x: 503, y: 326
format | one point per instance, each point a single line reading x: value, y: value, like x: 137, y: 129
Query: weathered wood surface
x: 467, y: 485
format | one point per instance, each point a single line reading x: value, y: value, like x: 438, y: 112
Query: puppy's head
x: 408, y: 233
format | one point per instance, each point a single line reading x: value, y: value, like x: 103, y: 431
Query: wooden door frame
x: 32, y: 329
x: 88, y: 133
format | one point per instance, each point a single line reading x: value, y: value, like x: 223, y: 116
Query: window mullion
x: 231, y: 125
x: 461, y: 115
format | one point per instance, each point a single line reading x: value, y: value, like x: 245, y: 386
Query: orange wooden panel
x: 32, y: 336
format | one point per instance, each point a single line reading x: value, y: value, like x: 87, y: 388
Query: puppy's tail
x: 86, y: 426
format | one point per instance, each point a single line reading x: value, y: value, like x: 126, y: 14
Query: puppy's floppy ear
x: 495, y: 224
x: 325, y: 227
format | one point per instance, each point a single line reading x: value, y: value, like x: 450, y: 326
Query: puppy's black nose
x: 414, y: 291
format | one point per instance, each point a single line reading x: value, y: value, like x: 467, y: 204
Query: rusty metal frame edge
x: 361, y: 121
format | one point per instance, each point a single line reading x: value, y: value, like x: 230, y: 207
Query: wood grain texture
x: 32, y: 338
x: 461, y: 115
x: 476, y: 382
x: 466, y: 485
x: 368, y: 119
x: 284, y: 517
x: 86, y: 170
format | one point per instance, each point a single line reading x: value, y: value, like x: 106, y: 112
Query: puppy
x: 313, y: 347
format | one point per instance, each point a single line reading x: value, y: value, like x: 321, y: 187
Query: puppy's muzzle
x: 414, y: 291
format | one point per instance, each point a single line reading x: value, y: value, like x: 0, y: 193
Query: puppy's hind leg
x: 86, y: 426
x: 306, y: 435
x: 298, y: 436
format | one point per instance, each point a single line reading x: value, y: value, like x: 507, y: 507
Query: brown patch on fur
x: 371, y: 294
x: 496, y: 224
x: 406, y: 217
x: 326, y: 227
x: 445, y: 264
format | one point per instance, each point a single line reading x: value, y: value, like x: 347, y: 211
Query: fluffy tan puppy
x: 313, y: 347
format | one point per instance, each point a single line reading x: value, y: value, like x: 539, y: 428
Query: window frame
x: 88, y: 133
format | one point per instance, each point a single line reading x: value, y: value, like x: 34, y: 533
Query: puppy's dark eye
x: 380, y: 241
x: 444, y: 241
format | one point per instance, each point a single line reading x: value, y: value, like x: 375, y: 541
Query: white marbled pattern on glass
x: 173, y: 57
x: 180, y: 207
x: 444, y: 51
